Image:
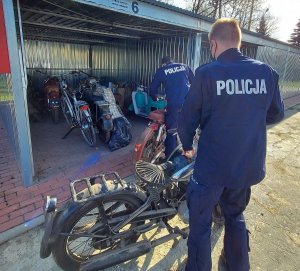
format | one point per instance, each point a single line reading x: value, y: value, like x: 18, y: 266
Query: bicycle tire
x: 151, y: 152
x: 87, y: 128
x: 66, y: 110
x: 85, y: 220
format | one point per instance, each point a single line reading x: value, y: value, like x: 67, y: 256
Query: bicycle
x: 77, y: 114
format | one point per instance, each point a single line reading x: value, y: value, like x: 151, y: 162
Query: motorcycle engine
x: 173, y: 194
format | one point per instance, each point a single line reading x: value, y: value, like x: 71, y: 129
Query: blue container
x: 140, y: 99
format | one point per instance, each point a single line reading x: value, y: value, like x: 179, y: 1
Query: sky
x: 287, y: 12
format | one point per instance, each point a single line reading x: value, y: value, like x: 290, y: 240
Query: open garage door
x: 115, y: 41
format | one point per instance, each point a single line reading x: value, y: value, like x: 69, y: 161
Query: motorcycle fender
x: 51, y: 226
x: 146, y: 135
x: 59, y: 217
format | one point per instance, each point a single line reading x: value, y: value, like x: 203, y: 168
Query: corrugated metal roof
x: 76, y: 22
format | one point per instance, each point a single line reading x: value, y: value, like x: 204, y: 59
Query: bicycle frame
x: 76, y: 107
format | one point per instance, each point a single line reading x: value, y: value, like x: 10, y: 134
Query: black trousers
x: 201, y: 200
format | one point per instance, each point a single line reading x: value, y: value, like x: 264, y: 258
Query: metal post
x: 19, y: 91
x: 196, y: 58
x: 23, y: 53
x: 285, y: 66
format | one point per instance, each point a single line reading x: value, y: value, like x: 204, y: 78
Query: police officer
x: 232, y: 98
x: 176, y: 78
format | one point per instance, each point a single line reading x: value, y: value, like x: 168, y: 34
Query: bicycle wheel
x: 67, y: 110
x: 153, y: 150
x: 78, y: 243
x: 87, y: 127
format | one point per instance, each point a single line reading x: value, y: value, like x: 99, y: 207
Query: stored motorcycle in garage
x: 93, y: 94
x: 51, y: 93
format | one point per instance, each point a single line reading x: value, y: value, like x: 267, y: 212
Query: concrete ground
x: 53, y: 155
x: 273, y: 218
x: 56, y: 161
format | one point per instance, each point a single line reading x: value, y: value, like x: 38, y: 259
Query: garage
x: 119, y: 42
x: 113, y: 41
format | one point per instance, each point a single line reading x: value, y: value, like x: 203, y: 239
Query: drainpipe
x: 196, y: 57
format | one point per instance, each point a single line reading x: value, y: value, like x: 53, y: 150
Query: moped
x: 51, y: 93
x: 104, y: 223
x: 94, y: 95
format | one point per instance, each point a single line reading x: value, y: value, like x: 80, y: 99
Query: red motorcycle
x: 150, y: 146
x: 51, y: 94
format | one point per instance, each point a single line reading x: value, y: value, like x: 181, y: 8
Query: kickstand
x: 69, y: 132
x: 170, y: 229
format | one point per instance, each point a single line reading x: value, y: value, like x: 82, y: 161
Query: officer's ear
x: 212, y: 43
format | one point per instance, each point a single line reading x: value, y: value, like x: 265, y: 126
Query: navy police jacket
x: 176, y: 78
x: 232, y: 99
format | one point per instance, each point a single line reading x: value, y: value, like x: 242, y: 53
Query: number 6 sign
x: 135, y: 7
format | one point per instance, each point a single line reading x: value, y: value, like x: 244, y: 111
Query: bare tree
x: 267, y: 24
x: 247, y: 12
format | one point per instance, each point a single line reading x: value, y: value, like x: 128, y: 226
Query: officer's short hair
x: 166, y: 60
x: 226, y: 30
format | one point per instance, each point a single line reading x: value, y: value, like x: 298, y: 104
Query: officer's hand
x: 189, y: 154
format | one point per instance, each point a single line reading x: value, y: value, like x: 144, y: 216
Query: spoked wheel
x: 87, y: 129
x: 85, y: 233
x: 67, y: 111
x: 152, y: 152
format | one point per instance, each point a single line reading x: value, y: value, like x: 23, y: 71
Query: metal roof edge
x: 177, y: 9
x: 210, y: 20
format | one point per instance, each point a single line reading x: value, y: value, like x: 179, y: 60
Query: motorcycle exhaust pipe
x: 121, y: 255
x: 116, y: 256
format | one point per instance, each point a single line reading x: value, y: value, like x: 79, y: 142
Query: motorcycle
x: 101, y: 226
x: 100, y: 107
x: 150, y: 146
x: 51, y: 94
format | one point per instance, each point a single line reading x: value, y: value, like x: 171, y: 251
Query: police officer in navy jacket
x: 232, y: 99
x: 176, y: 79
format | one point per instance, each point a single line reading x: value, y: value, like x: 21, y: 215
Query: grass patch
x: 4, y: 93
x: 290, y: 85
x: 5, y: 96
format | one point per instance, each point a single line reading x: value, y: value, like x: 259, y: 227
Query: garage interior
x: 62, y: 36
